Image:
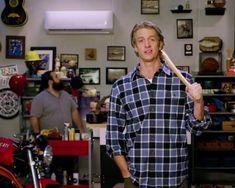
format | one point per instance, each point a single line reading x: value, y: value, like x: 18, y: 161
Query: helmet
x: 32, y: 56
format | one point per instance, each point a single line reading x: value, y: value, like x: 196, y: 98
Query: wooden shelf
x: 214, y: 11
x: 181, y: 11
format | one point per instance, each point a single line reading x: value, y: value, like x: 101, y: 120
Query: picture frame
x: 116, y: 53
x: 90, y: 76
x: 183, y: 68
x: 90, y: 53
x: 47, y: 55
x: 188, y: 49
x: 15, y: 47
x: 184, y: 28
x: 70, y: 61
x: 150, y: 6
x: 6, y: 71
x: 226, y: 87
x: 114, y: 73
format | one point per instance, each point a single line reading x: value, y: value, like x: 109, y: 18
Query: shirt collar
x: 135, y: 72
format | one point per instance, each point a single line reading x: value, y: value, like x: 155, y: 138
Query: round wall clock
x: 9, y: 103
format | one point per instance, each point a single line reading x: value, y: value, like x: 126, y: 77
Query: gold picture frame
x: 150, y: 6
x: 90, y: 53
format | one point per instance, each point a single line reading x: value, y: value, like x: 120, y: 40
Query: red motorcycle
x: 25, y: 162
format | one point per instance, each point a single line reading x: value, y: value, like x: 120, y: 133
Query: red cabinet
x: 73, y: 148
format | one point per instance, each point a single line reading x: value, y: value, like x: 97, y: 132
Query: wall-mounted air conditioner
x: 79, y: 22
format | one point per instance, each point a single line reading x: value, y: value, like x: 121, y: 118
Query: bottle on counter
x: 71, y: 134
x: 77, y: 135
x: 66, y: 131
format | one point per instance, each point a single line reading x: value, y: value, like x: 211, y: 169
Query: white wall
x: 127, y: 13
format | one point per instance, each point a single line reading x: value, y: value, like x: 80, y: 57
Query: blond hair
x: 146, y: 24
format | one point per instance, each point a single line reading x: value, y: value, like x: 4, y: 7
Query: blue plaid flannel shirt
x: 147, y: 123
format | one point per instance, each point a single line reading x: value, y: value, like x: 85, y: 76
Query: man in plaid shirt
x: 150, y: 111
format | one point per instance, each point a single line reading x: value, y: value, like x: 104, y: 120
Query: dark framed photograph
x: 226, y: 87
x: 90, y: 53
x: 188, y: 49
x: 47, y: 55
x: 90, y: 76
x: 114, y: 73
x: 184, y: 28
x: 184, y: 68
x: 15, y: 47
x: 116, y: 53
x: 150, y: 7
x: 69, y: 61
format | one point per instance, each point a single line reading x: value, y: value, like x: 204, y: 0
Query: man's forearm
x: 35, y: 125
x: 199, y: 109
x: 77, y: 120
x: 122, y: 164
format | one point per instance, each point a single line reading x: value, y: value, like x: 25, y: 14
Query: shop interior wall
x: 126, y: 14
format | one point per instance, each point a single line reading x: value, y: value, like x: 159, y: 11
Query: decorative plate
x: 9, y: 103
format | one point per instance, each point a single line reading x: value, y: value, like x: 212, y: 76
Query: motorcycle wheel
x: 6, y: 177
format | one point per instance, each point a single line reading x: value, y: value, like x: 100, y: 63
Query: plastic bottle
x: 53, y: 176
x: 71, y: 134
x: 65, y: 176
x: 66, y: 131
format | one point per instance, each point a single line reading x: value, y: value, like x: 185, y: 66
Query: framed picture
x: 90, y: 53
x: 6, y: 71
x: 90, y: 76
x: 47, y: 55
x: 184, y: 28
x: 114, y: 73
x: 15, y: 47
x: 116, y: 53
x: 188, y: 49
x: 184, y: 68
x: 70, y: 61
x: 226, y: 87
x: 150, y: 7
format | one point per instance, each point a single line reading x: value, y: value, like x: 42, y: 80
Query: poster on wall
x: 6, y: 72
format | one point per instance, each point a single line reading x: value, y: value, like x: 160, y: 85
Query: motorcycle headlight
x: 47, y: 155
